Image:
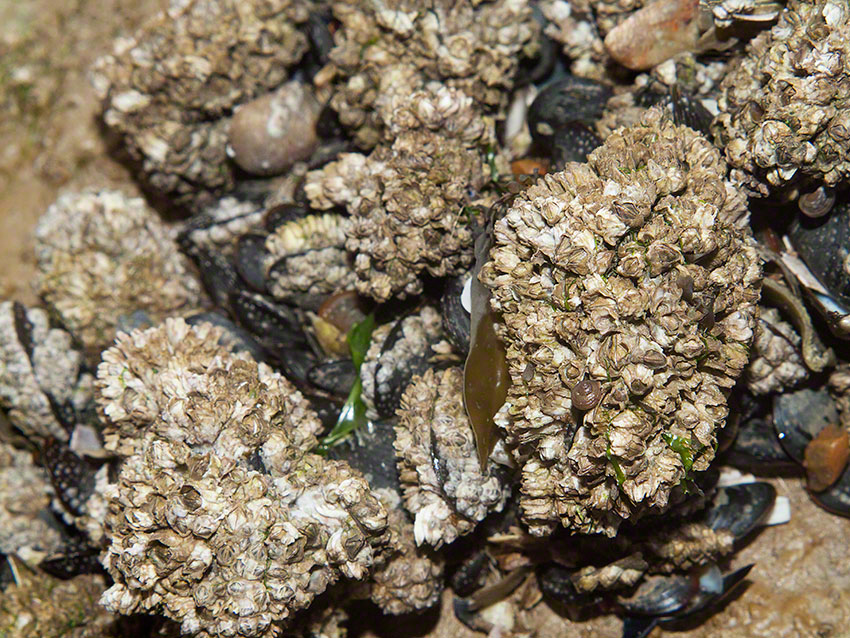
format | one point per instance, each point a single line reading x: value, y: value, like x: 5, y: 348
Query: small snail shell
x: 817, y: 203
x: 586, y: 394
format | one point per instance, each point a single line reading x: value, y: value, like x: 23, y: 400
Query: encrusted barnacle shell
x: 25, y: 494
x: 170, y: 90
x: 397, y: 352
x: 469, y: 45
x: 177, y: 381
x: 775, y: 359
x: 784, y: 120
x: 637, y: 270
x: 44, y: 607
x: 307, y: 257
x: 411, y: 577
x: 224, y: 549
x: 686, y: 545
x: 103, y: 256
x: 572, y: 24
x: 444, y: 486
x: 42, y: 381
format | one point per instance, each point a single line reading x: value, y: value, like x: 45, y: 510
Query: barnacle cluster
x: 406, y: 199
x: 775, y: 360
x: 221, y: 518
x: 636, y: 273
x: 171, y: 89
x: 784, y: 120
x: 103, y: 256
x: 444, y: 486
x: 399, y: 46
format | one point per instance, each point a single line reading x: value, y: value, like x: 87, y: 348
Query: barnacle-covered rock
x: 775, y: 359
x: 42, y: 380
x: 103, y: 256
x: 406, y: 198
x: 307, y: 257
x: 637, y: 272
x: 444, y: 486
x: 222, y: 548
x: 411, y: 577
x: 397, y: 352
x: 784, y: 119
x: 171, y: 89
x: 397, y: 47
x: 25, y: 494
x: 176, y: 381
x: 44, y: 607
x: 839, y: 386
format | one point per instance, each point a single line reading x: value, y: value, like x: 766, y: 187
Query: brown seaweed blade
x: 485, y: 374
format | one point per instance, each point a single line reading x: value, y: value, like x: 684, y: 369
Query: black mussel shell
x: 335, y: 376
x: 372, y: 453
x: 555, y: 582
x: 470, y: 575
x: 824, y: 245
x: 250, y: 260
x: 72, y: 476
x: 275, y: 326
x: 456, y: 321
x: 573, y: 142
x: 295, y: 364
x: 740, y: 508
x: 217, y: 273
x: 755, y: 441
x: 233, y: 338
x: 76, y: 557
x: 660, y: 595
x: 799, y: 416
x: 571, y: 99
x: 277, y: 216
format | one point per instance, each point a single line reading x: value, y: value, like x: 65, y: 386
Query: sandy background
x: 50, y: 140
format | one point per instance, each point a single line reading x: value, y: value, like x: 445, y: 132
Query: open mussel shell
x: 823, y: 243
x: 836, y: 498
x: 799, y: 416
x: 740, y: 508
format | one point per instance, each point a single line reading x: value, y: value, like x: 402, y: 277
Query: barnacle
x: 784, y: 120
x: 775, y: 360
x: 406, y: 197
x: 41, y: 373
x: 171, y: 89
x: 444, y: 485
x: 637, y: 270
x: 398, y: 46
x: 103, y: 256
x: 220, y: 518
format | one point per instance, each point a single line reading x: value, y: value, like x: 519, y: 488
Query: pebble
x: 826, y: 457
x: 655, y: 33
x: 271, y: 133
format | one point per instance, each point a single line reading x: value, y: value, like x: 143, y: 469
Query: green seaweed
x: 681, y: 447
x: 618, y: 471
x: 353, y: 413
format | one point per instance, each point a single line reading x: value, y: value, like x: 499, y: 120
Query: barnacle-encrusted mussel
x: 103, y: 256
x: 784, y: 119
x: 171, y: 89
x: 406, y: 198
x: 398, y: 46
x: 221, y: 518
x: 43, y: 381
x: 638, y: 271
x: 444, y: 485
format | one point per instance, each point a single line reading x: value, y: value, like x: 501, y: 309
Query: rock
x: 826, y: 457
